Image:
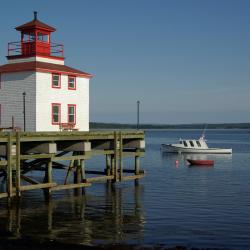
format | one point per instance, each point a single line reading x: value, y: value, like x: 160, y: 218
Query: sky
x: 186, y: 61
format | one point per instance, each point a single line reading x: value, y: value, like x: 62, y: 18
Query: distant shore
x: 99, y: 125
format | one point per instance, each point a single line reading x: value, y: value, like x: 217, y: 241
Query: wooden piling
x: 137, y: 167
x: 48, y: 181
x: 120, y: 156
x: 116, y: 155
x: 49, y: 173
x: 112, y: 165
x: 83, y: 170
x: 9, y: 166
x: 18, y: 167
x: 108, y: 165
x: 77, y: 175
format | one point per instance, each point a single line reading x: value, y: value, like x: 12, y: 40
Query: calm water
x: 173, y: 205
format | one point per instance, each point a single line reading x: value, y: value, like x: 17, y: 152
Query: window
x: 29, y: 37
x: 26, y: 37
x: 0, y: 81
x: 191, y: 143
x: 42, y: 37
x: 198, y: 143
x: 56, y: 113
x: 32, y: 37
x: 72, y: 113
x: 72, y: 82
x: 0, y: 114
x: 185, y: 144
x: 56, y: 81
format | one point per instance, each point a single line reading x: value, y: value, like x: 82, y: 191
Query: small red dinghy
x: 200, y: 162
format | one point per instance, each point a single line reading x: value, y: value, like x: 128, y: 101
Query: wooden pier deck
x: 22, y: 152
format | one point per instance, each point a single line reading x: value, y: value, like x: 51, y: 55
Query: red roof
x: 35, y: 24
x: 42, y: 67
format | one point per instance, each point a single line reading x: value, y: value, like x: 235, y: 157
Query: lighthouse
x: 37, y: 90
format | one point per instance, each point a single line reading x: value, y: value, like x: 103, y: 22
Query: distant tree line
x: 99, y: 125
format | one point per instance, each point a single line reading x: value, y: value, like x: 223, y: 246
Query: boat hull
x: 168, y: 148
x: 200, y: 162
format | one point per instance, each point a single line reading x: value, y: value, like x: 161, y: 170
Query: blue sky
x: 187, y: 61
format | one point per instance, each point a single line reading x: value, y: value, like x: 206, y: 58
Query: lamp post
x: 138, y: 114
x: 24, y: 112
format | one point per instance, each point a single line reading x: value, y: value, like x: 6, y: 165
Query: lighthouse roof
x: 35, y: 24
x: 42, y: 67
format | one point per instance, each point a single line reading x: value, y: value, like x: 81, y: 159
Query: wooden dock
x: 22, y: 152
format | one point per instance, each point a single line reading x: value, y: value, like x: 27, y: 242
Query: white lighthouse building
x: 37, y: 90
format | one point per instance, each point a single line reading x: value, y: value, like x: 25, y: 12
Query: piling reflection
x: 111, y: 217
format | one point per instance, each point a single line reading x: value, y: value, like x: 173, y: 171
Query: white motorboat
x: 193, y: 146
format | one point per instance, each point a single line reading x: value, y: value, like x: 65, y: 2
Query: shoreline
x: 170, y: 129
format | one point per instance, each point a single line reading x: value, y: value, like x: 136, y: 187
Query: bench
x: 65, y: 126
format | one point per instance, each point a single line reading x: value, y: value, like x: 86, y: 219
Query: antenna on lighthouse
x: 35, y: 15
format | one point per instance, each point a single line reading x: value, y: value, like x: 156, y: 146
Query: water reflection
x: 114, y: 216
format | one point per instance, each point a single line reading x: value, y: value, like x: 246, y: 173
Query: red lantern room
x: 35, y: 41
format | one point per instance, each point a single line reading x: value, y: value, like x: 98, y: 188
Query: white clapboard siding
x: 11, y: 99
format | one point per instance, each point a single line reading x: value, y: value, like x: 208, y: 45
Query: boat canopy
x: 193, y: 143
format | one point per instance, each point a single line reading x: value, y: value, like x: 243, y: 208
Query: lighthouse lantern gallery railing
x: 31, y: 48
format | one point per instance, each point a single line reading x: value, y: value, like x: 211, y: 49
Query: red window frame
x: 52, y: 83
x: 70, y: 88
x: 59, y: 113
x: 69, y: 106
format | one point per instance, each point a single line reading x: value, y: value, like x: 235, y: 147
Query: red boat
x: 200, y: 162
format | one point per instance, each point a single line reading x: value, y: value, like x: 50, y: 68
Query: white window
x: 72, y: 113
x: 72, y: 82
x: 56, y: 81
x: 56, y: 113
